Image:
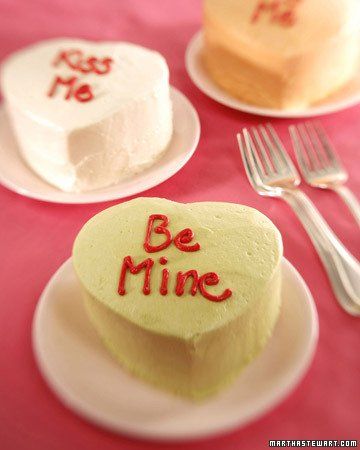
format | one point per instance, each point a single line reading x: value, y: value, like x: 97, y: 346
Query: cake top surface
x: 238, y: 243
x: 286, y: 26
x: 71, y: 83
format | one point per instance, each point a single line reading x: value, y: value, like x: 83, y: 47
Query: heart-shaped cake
x: 281, y: 53
x: 88, y: 114
x: 183, y: 295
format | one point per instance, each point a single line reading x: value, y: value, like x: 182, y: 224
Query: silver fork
x: 272, y: 173
x: 319, y: 163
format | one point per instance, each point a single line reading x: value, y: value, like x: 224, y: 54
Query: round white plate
x: 344, y: 98
x: 87, y: 379
x: 17, y: 176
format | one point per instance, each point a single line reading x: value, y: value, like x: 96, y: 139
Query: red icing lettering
x: 184, y: 237
x: 164, y: 281
x: 71, y: 58
x: 160, y: 229
x: 212, y: 279
x: 282, y: 12
x: 105, y: 64
x: 164, y: 276
x: 181, y: 241
x: 75, y: 60
x: 84, y: 93
x: 265, y: 6
x: 69, y: 83
x: 181, y: 280
x: 128, y: 263
x: 287, y: 18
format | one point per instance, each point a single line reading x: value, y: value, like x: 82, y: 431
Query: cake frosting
x: 183, y: 295
x: 87, y: 114
x: 281, y: 53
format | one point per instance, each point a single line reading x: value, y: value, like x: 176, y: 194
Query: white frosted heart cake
x: 87, y: 114
x: 281, y: 53
x: 183, y: 295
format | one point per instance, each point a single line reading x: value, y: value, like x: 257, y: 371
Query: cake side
x: 99, y: 155
x: 197, y: 367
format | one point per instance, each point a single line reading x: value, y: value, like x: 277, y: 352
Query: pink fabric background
x: 37, y: 237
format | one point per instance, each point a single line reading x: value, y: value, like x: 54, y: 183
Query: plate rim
x: 222, y: 97
x: 303, y: 364
x: 87, y: 197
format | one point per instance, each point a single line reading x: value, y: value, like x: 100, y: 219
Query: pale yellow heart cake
x: 183, y: 295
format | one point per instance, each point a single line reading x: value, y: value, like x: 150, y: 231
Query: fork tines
x: 313, y: 148
x: 263, y: 154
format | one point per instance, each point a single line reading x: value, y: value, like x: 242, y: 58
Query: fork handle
x: 350, y: 200
x: 342, y: 268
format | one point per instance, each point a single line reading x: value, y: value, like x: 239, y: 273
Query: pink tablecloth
x: 37, y: 237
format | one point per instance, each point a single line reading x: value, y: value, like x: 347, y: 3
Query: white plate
x: 344, y: 98
x: 17, y: 176
x: 89, y: 381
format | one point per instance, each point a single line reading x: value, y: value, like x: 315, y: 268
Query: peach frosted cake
x: 281, y: 53
x: 183, y: 295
